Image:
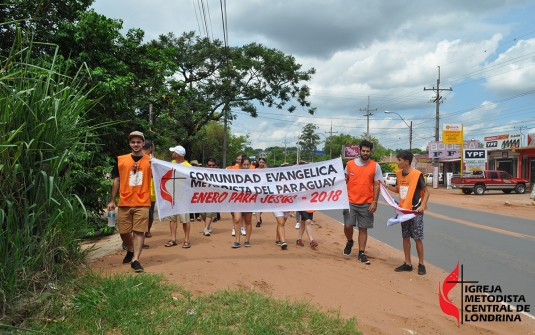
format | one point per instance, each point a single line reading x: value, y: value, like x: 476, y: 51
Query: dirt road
x: 385, y: 302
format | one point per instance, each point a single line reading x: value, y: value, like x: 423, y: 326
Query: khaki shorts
x: 131, y: 219
x: 209, y: 215
x: 183, y: 218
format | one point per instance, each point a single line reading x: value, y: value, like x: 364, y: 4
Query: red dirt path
x: 385, y: 302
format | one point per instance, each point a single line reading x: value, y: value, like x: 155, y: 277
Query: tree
x: 37, y: 20
x: 308, y: 141
x: 338, y: 142
x: 210, y: 81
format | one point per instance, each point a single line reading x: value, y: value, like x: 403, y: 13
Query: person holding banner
x: 178, y: 154
x: 209, y: 216
x: 261, y: 164
x: 247, y: 216
x: 413, y: 194
x: 362, y: 177
x: 131, y: 181
x: 306, y: 224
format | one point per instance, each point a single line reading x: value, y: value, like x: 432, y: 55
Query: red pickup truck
x: 489, y: 180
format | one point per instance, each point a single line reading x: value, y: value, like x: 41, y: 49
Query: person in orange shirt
x: 132, y: 175
x: 413, y: 194
x: 362, y: 177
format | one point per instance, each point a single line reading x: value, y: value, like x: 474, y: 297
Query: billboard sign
x: 501, y: 142
x: 449, y: 151
x: 350, y: 151
x: 474, y: 159
x: 452, y: 133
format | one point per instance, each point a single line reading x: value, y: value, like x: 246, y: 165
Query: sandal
x: 186, y: 245
x: 170, y: 243
x: 313, y: 244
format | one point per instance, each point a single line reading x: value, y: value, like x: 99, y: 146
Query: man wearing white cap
x: 178, y: 154
x: 132, y: 175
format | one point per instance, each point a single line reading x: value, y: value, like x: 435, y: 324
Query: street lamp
x: 410, y: 128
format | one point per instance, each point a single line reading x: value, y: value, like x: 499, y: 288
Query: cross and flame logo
x: 448, y: 307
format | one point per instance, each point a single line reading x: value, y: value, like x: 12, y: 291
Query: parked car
x: 429, y: 178
x: 390, y: 178
x: 489, y: 180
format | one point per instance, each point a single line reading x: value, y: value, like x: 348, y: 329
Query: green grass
x: 147, y: 304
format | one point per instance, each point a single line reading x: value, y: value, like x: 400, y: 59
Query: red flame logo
x: 163, y: 190
x: 448, y: 307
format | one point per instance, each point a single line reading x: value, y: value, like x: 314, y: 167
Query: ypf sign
x: 475, y: 154
x: 474, y: 159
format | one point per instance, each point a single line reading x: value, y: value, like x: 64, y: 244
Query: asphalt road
x: 493, y: 249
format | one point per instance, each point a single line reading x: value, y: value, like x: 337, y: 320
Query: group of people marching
x: 132, y: 182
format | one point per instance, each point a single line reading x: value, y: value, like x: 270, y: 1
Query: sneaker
x: 137, y: 267
x: 363, y: 259
x: 403, y: 267
x: 199, y: 218
x: 210, y: 229
x: 128, y: 258
x: 278, y: 242
x: 215, y: 220
x: 190, y: 220
x: 421, y: 269
x: 233, y: 232
x: 300, y: 243
x: 313, y: 244
x: 145, y: 246
x: 349, y: 246
x: 243, y: 231
x: 297, y: 225
x: 247, y: 244
x: 148, y: 234
x: 258, y: 224
x: 206, y: 232
x: 284, y: 246
x: 235, y: 245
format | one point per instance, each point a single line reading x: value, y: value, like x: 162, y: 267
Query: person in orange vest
x: 362, y: 178
x: 413, y: 194
x: 131, y: 181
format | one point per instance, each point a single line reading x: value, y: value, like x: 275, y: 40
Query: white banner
x: 183, y: 189
x: 402, y: 214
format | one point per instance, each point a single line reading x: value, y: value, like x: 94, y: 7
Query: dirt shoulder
x: 384, y: 302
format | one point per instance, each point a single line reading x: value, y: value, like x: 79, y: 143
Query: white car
x: 390, y: 178
x: 429, y: 178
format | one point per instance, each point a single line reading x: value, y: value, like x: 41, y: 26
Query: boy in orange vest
x: 413, y: 194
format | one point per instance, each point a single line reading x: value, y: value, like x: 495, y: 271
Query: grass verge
x: 147, y: 304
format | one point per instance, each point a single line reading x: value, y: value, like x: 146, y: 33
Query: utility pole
x: 331, y: 140
x: 368, y: 114
x: 438, y: 100
x: 521, y: 140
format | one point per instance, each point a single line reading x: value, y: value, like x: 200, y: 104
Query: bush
x: 42, y: 127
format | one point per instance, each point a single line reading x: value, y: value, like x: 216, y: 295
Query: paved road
x: 494, y: 249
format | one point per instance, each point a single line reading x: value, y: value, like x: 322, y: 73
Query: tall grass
x: 42, y: 124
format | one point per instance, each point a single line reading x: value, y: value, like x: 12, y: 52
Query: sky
x: 377, y: 55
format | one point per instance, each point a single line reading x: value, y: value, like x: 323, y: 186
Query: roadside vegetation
x: 146, y: 304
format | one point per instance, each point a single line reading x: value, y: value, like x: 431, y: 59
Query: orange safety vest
x: 360, y: 182
x: 134, y: 188
x: 407, y: 186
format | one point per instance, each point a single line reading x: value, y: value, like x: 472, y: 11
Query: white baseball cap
x: 179, y: 150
